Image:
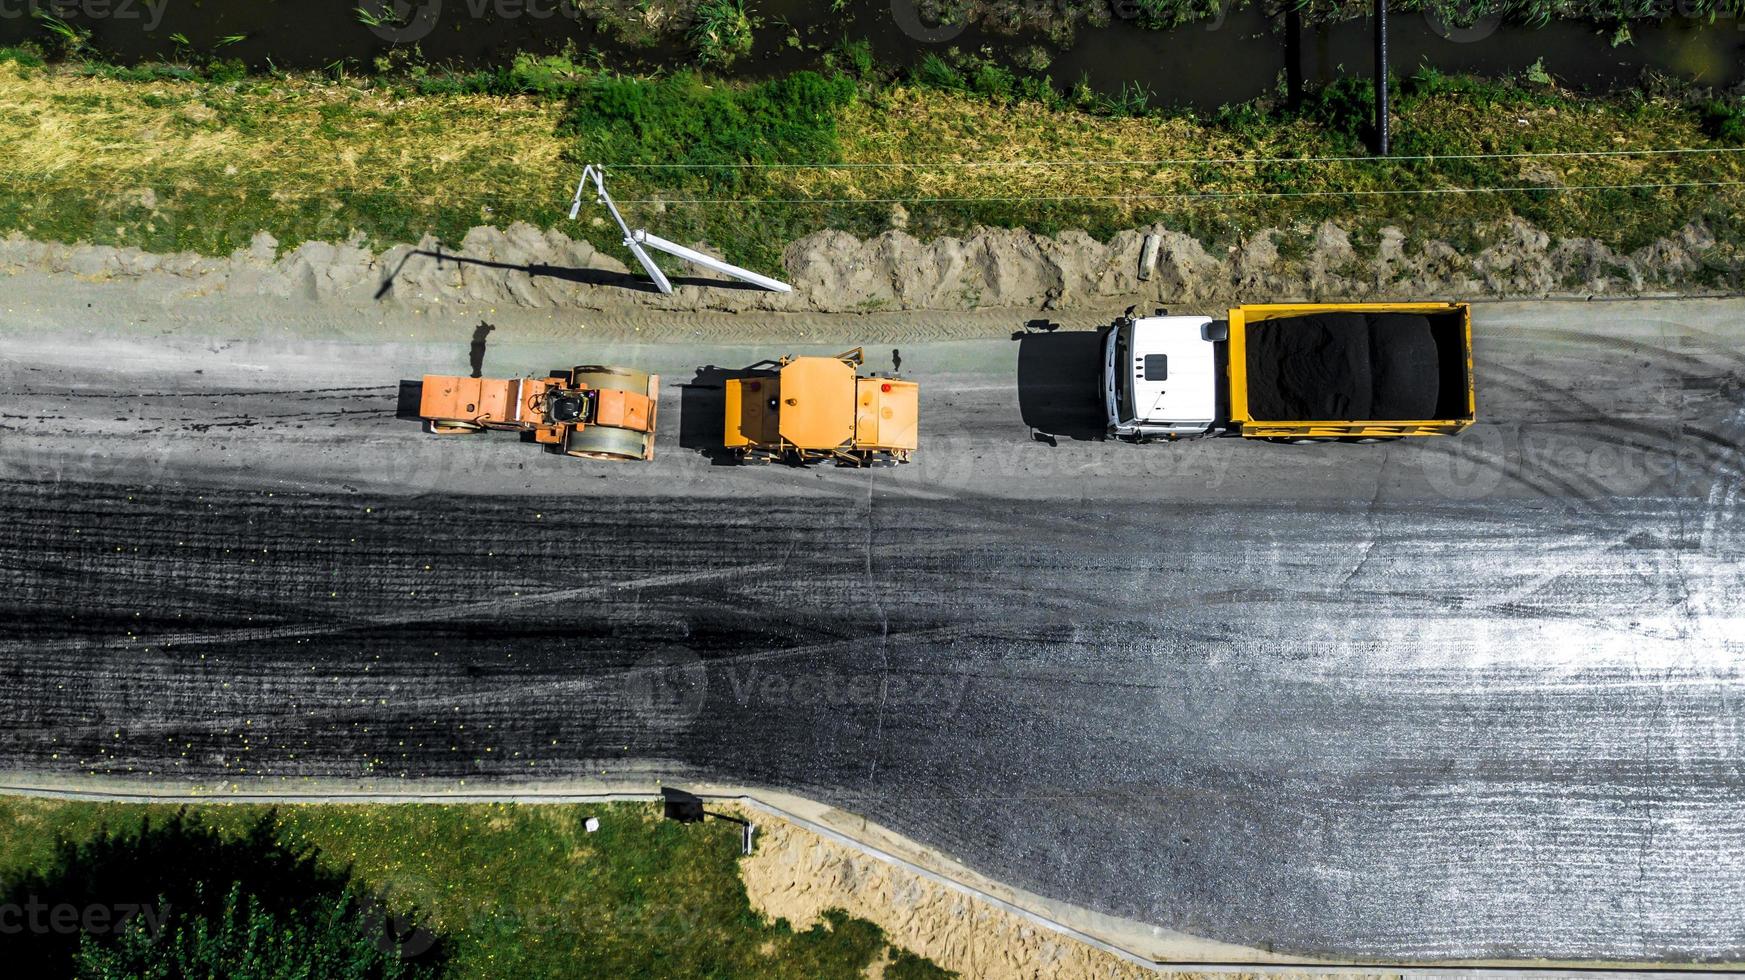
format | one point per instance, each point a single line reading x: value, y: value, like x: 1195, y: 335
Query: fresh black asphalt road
x: 1466, y: 698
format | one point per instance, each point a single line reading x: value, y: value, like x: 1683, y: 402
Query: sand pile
x: 796, y: 875
x: 1342, y: 366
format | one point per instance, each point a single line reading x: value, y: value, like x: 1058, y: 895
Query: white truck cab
x: 1160, y: 376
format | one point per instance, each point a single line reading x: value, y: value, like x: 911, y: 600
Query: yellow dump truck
x: 812, y: 408
x: 1293, y: 373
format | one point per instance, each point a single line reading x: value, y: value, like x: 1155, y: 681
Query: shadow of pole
x: 588, y: 277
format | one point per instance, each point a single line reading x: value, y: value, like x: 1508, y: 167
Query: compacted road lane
x: 1469, y: 698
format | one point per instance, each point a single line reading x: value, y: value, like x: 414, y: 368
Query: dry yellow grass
x: 296, y: 146
x: 296, y: 132
x: 906, y: 124
x: 203, y: 165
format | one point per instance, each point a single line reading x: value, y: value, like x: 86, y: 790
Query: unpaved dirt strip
x: 1472, y: 698
x: 835, y: 272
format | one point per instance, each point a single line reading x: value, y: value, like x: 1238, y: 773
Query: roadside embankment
x: 810, y: 864
x: 836, y: 272
x: 965, y: 187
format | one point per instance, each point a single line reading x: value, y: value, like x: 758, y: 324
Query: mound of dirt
x: 835, y: 272
x: 797, y: 875
x: 1404, y: 367
x: 1336, y: 366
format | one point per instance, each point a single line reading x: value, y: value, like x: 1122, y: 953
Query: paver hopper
x: 814, y: 408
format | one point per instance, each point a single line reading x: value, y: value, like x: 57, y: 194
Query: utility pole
x: 1381, y: 77
x: 1293, y: 55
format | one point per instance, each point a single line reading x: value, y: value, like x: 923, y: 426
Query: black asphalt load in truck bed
x: 1342, y: 366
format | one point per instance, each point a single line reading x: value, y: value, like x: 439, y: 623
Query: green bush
x: 936, y: 72
x: 1344, y: 109
x: 983, y: 76
x: 220, y: 905
x: 1724, y: 120
x: 26, y: 54
x: 858, y: 55
x: 225, y: 70
x: 1168, y: 14
x: 721, y: 31
x: 552, y: 75
x: 683, y: 120
x: 994, y: 81
x: 680, y: 138
x: 245, y: 937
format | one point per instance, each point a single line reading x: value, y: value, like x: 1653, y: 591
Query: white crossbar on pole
x: 635, y: 240
x: 599, y: 178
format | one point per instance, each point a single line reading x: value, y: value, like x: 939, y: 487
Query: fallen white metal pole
x: 648, y: 266
x: 710, y: 262
x: 635, y: 240
x: 599, y: 178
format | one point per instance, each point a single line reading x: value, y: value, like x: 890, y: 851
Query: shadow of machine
x: 1060, y: 383
x: 406, y: 406
x: 703, y: 409
x: 686, y: 807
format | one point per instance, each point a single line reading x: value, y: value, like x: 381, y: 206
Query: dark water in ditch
x: 1201, y: 65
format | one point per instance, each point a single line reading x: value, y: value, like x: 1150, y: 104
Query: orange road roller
x: 592, y: 412
x: 813, y: 408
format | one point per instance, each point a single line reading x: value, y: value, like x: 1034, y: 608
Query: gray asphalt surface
x: 1469, y: 698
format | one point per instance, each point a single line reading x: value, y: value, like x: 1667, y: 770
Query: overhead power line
x: 1199, y: 195
x: 1179, y: 161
